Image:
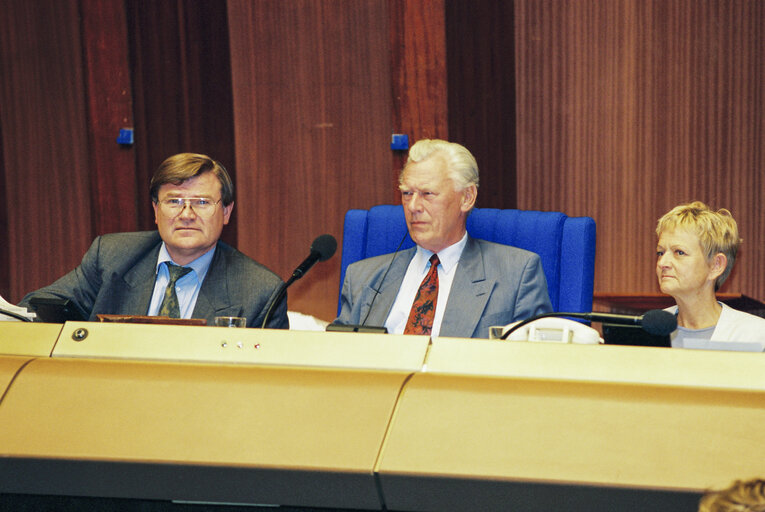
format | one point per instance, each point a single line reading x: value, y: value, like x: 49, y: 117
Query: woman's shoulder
x: 738, y: 314
x: 736, y: 325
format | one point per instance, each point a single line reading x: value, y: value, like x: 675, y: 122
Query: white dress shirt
x: 418, y: 268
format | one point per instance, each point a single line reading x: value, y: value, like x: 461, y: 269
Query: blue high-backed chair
x: 565, y: 244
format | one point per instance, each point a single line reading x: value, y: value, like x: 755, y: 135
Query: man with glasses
x: 182, y: 270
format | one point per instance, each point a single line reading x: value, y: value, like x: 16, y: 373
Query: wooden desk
x: 373, y: 422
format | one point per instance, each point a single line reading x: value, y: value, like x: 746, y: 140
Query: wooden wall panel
x: 110, y: 108
x: 46, y: 187
x: 312, y: 105
x: 628, y: 107
x: 481, y: 89
x: 419, y: 73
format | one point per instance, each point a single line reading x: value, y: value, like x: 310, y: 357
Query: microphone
x: 655, y: 321
x: 322, y: 249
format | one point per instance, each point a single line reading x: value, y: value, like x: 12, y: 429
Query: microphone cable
x: 379, y: 286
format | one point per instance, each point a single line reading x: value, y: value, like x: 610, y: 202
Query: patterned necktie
x: 170, y: 305
x: 424, y: 306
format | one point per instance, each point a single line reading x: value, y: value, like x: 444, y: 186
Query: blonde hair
x: 741, y: 496
x: 717, y: 231
x: 460, y: 163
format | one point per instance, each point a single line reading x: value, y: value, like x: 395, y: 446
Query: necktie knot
x: 176, y: 272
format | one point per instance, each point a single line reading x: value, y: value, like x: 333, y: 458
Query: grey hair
x: 461, y: 164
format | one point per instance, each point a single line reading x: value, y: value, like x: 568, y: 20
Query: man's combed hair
x: 463, y: 169
x: 717, y: 231
x: 184, y: 166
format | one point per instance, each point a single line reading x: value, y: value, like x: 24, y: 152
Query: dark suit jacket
x: 117, y: 274
x: 495, y: 285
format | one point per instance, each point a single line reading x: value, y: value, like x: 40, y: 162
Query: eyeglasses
x: 203, y: 207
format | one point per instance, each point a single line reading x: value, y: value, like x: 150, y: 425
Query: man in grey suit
x: 182, y: 269
x: 480, y: 283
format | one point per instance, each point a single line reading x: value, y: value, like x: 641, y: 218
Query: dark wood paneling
x: 5, y: 263
x: 481, y: 61
x: 418, y: 70
x: 45, y: 155
x: 311, y: 83
x: 623, y: 109
x: 628, y: 107
x: 182, y: 81
x: 110, y: 108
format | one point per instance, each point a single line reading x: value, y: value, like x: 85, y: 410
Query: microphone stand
x: 322, y: 248
x: 277, y: 298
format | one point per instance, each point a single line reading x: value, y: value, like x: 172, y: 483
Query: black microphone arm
x: 322, y: 249
x: 655, y: 321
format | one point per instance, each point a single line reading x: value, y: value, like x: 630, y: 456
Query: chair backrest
x: 565, y: 244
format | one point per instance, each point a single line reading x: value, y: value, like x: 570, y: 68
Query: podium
x: 372, y: 422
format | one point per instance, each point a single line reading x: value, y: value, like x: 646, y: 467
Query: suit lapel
x: 213, y: 299
x: 389, y: 288
x: 469, y: 294
x: 137, y: 285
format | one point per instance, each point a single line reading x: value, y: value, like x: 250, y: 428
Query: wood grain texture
x: 481, y: 89
x: 45, y: 142
x: 419, y: 67
x: 629, y: 107
x: 110, y: 107
x: 312, y: 126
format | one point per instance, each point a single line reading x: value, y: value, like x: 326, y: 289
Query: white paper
x: 19, y: 310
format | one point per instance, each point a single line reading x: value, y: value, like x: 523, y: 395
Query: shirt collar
x: 449, y: 257
x: 200, y: 266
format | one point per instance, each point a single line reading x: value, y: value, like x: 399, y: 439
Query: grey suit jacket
x: 117, y: 274
x: 495, y: 285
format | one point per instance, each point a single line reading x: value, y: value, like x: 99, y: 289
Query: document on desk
x: 11, y: 308
x: 739, y: 346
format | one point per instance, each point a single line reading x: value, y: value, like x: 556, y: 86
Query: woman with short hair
x: 696, y: 251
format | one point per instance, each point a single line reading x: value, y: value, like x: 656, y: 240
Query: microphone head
x: 659, y: 322
x: 325, y: 246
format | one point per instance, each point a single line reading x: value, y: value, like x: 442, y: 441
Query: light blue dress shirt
x: 186, y: 288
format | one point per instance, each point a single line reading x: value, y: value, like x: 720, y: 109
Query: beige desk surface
x: 602, y: 434
x: 352, y: 410
x: 598, y: 363
x: 28, y: 338
x: 245, y: 346
x: 298, y: 436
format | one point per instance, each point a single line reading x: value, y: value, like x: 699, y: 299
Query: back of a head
x: 741, y: 496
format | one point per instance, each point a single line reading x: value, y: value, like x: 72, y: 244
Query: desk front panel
x: 229, y: 433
